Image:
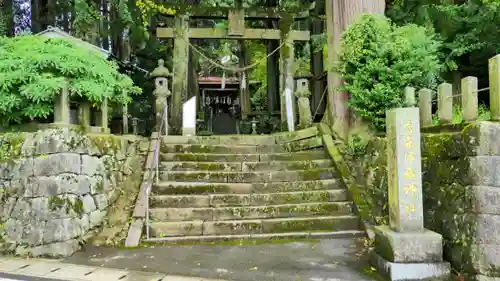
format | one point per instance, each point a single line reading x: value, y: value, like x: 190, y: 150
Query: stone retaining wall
x: 461, y: 188
x: 56, y: 186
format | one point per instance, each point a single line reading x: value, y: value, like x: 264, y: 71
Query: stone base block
x: 188, y: 131
x: 486, y: 278
x: 410, y: 247
x: 411, y: 271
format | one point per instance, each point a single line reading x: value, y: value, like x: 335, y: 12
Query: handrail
x: 155, y: 165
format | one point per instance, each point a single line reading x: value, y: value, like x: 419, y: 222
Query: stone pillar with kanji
x: 161, y: 75
x: 404, y: 249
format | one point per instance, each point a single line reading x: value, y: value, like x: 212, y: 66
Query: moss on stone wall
x: 58, y: 179
x: 447, y: 196
x: 10, y: 146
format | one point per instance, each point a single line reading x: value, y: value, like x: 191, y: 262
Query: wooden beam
x: 254, y: 13
x: 219, y: 33
x: 300, y: 35
x: 249, y: 34
x: 164, y: 32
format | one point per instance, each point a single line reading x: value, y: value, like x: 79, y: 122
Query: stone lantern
x: 302, y: 93
x: 161, y: 75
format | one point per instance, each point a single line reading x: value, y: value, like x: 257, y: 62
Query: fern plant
x: 33, y: 71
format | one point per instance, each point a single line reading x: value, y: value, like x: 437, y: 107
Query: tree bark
x: 35, y: 16
x: 7, y: 14
x: 339, y: 15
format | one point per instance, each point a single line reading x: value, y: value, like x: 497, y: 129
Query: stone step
x: 221, y: 149
x: 305, y: 144
x: 255, y: 226
x: 261, y: 237
x: 243, y: 188
x: 286, y: 165
x: 201, y: 166
x: 246, y: 166
x: 255, y: 199
x: 250, y: 212
x: 223, y: 139
x: 317, y: 154
x: 287, y: 137
x: 204, y: 176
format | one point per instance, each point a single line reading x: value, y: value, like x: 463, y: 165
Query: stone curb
x: 55, y: 269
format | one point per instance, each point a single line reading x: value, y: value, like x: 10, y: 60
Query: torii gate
x: 182, y: 33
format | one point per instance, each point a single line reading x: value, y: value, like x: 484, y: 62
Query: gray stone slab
x: 39, y: 268
x: 486, y: 278
x: 485, y: 258
x: 411, y: 271
x: 134, y: 233
x: 404, y: 166
x: 404, y: 247
x: 72, y: 272
x: 184, y: 278
x: 143, y: 276
x: 327, y: 259
x: 10, y: 266
x: 107, y: 274
x: 485, y: 199
x: 482, y: 171
x: 487, y: 229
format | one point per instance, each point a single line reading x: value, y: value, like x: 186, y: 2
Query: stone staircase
x: 247, y: 187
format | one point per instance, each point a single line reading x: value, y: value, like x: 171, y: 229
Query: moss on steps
x: 256, y: 199
x: 252, y: 212
x: 229, y: 149
x: 179, y: 188
x: 248, y: 177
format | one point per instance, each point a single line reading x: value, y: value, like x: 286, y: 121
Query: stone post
x: 286, y: 78
x: 84, y: 114
x: 104, y: 116
x: 61, y: 105
x: 410, y: 99
x: 494, y: 75
x: 405, y: 250
x: 189, y: 117
x: 302, y: 93
x: 135, y: 124
x: 125, y: 119
x: 254, y: 126
x: 469, y: 87
x: 161, y: 75
x: 425, y: 105
x: 445, y: 103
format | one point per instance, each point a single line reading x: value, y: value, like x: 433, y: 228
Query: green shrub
x: 378, y: 59
x: 33, y: 70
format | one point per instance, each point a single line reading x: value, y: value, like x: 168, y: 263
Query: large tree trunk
x: 339, y: 15
x: 35, y: 16
x: 7, y: 17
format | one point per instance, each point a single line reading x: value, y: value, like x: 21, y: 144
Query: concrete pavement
x: 342, y: 259
x: 14, y: 269
x: 315, y: 260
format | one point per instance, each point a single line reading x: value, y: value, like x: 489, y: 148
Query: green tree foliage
x: 33, y: 70
x: 378, y: 59
x: 468, y: 28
